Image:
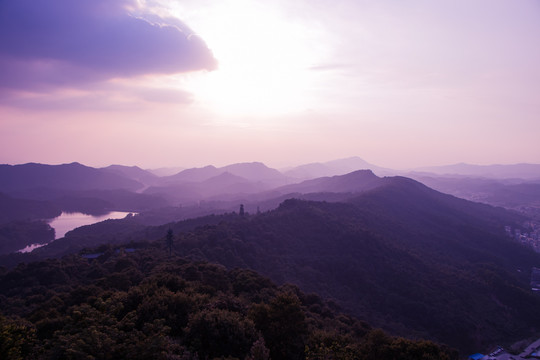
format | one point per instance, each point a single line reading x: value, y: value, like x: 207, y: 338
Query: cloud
x: 330, y: 67
x: 115, y: 98
x: 65, y: 43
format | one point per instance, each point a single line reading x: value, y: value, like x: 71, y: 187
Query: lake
x: 69, y: 221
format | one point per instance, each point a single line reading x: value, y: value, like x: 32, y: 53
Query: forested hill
x: 403, y: 256
x: 400, y: 256
x: 145, y: 304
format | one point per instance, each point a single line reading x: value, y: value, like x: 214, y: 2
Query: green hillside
x: 142, y: 304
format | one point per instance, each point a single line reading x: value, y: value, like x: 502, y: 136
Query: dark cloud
x: 66, y: 42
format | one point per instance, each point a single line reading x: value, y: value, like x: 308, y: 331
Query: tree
x: 16, y: 339
x: 241, y: 209
x: 259, y: 351
x: 169, y: 240
x: 283, y: 325
x: 216, y: 333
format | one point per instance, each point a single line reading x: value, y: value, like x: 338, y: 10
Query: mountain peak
x: 195, y: 174
x: 356, y: 181
x: 225, y: 177
x: 254, y: 171
x: 330, y: 168
x: 364, y: 173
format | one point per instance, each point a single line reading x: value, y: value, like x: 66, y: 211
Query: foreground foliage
x: 147, y: 305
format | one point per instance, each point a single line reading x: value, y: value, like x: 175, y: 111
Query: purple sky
x: 196, y: 82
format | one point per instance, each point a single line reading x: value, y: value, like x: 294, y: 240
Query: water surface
x: 69, y: 221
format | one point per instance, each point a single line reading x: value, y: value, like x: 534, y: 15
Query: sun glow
x: 264, y: 59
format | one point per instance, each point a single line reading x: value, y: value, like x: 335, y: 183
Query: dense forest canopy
x: 144, y: 304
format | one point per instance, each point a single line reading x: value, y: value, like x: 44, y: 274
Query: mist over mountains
x: 497, y: 184
x: 388, y: 249
x: 514, y: 171
x: 30, y: 188
x: 332, y: 168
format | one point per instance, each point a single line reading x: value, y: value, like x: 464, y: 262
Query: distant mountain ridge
x: 513, y: 171
x: 254, y: 171
x: 166, y: 171
x: 332, y: 168
x: 357, y: 181
x: 72, y: 176
x: 209, y: 182
x: 224, y: 185
x: 254, y: 184
x: 192, y: 175
x: 133, y: 172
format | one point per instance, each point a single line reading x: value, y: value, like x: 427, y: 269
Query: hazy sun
x: 264, y: 58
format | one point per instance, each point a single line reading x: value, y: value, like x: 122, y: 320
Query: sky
x: 189, y: 83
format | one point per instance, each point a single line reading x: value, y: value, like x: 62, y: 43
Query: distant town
x: 530, y: 236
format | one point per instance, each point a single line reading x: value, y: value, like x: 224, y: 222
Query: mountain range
x: 207, y: 190
x: 513, y: 171
x: 390, y: 250
x: 32, y: 181
x: 74, y: 176
x: 332, y: 168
